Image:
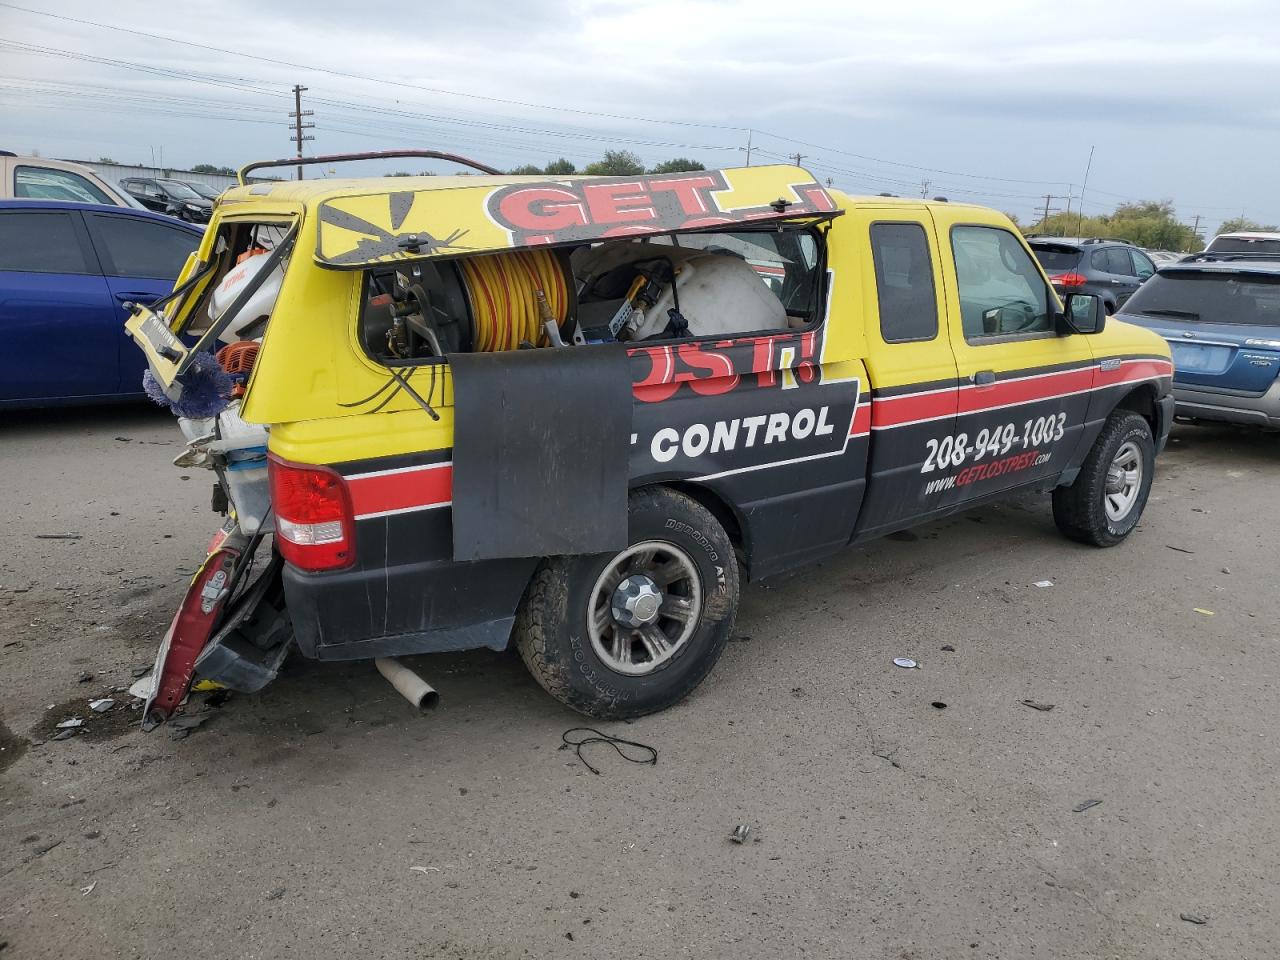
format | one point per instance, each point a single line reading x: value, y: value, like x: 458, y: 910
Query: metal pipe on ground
x: 410, y: 686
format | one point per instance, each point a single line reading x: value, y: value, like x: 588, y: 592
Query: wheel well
x: 1142, y: 401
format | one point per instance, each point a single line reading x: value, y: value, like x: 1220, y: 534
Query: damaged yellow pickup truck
x: 455, y: 412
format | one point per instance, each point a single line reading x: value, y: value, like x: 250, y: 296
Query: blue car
x: 1221, y: 315
x: 65, y: 271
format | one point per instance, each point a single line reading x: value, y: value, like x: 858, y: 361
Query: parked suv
x: 1262, y: 244
x: 1221, y: 316
x: 35, y: 178
x: 169, y: 196
x: 1110, y: 269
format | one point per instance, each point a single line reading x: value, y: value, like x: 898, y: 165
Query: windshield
x: 1056, y: 259
x: 178, y: 190
x: 206, y: 191
x: 1217, y: 297
x: 1242, y: 245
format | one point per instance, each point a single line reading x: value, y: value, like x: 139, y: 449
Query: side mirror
x: 1083, y: 313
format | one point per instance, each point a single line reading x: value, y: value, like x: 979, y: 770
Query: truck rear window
x: 1056, y: 259
x: 1210, y: 297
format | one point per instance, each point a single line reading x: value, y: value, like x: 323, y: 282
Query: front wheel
x: 621, y: 635
x: 1106, y: 500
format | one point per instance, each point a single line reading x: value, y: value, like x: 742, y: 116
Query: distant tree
x: 616, y: 163
x: 406, y: 173
x: 560, y: 168
x: 107, y: 160
x: 678, y: 165
x: 210, y: 168
x: 1150, y: 223
x: 402, y: 173
x: 1014, y: 217
x: 527, y: 170
x: 1245, y: 225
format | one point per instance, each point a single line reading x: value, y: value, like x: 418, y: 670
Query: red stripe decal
x: 893, y: 411
x: 405, y: 490
x: 930, y: 405
x: 861, y: 421
x: 974, y: 399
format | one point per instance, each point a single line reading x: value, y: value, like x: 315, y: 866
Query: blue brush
x: 206, y: 389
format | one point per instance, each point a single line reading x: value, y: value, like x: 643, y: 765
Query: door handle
x: 983, y: 378
x: 1114, y: 280
x: 135, y: 296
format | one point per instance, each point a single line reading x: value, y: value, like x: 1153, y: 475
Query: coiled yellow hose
x: 504, y: 291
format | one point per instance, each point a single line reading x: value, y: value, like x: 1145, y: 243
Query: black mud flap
x: 542, y: 440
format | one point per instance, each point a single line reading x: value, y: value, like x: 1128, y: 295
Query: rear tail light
x: 1067, y: 279
x: 315, y: 526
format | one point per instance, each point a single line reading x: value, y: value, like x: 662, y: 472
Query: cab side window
x: 904, y: 282
x: 1001, y: 291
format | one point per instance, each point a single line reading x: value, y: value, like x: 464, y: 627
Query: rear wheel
x: 626, y: 634
x: 1106, y: 500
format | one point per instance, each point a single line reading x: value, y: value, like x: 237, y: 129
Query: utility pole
x: 298, y: 125
x: 1196, y: 228
x: 749, y: 133
x: 1048, y: 199
x: 924, y: 189
x: 797, y: 157
x: 1083, y: 187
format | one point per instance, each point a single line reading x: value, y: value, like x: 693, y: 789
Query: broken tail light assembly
x: 315, y: 524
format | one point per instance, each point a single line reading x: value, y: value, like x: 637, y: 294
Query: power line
x: 510, y: 102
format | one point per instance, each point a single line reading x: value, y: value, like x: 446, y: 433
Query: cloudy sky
x: 993, y: 101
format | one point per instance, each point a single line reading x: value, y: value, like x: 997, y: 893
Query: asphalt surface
x: 322, y: 818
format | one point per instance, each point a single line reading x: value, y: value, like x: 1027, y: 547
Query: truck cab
x: 577, y: 414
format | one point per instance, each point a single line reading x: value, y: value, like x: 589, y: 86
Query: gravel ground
x: 322, y: 818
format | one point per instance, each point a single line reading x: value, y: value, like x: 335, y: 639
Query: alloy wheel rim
x: 1124, y: 480
x: 644, y: 607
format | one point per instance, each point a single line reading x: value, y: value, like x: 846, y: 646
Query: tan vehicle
x: 35, y: 178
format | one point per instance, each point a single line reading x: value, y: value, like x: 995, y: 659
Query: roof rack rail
x: 1103, y: 240
x: 243, y: 173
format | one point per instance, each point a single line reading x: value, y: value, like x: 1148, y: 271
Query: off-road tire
x: 1080, y: 508
x: 551, y: 627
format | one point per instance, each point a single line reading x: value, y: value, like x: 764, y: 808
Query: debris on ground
x: 1178, y: 549
x: 102, y: 705
x: 906, y: 663
x: 1203, y: 612
x: 64, y: 734
x: 142, y: 671
x: 85, y: 891
x: 740, y: 638
x: 45, y: 847
x: 938, y: 705
x: 275, y: 894
x: 1037, y: 705
x: 58, y: 536
x: 1043, y: 583
x: 1082, y: 807
x: 1197, y: 918
x: 70, y: 722
x: 948, y: 648
x: 888, y: 756
x: 416, y: 869
x: 180, y: 727
x: 595, y: 736
x: 85, y: 677
x: 740, y: 833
